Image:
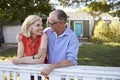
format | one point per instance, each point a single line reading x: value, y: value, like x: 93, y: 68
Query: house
x: 83, y: 23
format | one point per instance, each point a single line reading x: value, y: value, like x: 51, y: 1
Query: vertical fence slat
x: 1, y: 75
x: 35, y: 76
x: 71, y: 77
x: 14, y: 76
x: 55, y: 77
x: 89, y: 78
x: 76, y: 78
x: 63, y: 77
x: 80, y: 78
x: 43, y: 78
x: 67, y: 77
x: 8, y: 75
x: 24, y: 76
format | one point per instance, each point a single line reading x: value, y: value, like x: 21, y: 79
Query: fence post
x: 24, y: 76
x: 1, y: 75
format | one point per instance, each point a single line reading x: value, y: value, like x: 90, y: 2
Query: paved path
x: 7, y: 46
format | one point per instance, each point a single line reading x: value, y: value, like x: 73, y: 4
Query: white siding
x: 10, y: 33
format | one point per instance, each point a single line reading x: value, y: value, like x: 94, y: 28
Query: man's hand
x: 18, y: 38
x: 47, y: 70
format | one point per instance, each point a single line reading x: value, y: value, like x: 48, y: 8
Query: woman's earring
x: 28, y: 33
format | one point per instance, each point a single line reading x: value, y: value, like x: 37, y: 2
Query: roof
x: 86, y: 16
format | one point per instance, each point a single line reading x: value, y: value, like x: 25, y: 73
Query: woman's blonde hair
x: 27, y: 22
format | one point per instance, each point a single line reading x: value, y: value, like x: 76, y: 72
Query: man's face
x: 53, y: 24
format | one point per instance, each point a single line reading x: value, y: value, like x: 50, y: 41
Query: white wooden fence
x: 24, y: 71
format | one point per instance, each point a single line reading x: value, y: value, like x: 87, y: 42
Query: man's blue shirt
x: 64, y: 46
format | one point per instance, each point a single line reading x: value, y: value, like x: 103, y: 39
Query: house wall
x: 85, y: 27
x: 10, y: 33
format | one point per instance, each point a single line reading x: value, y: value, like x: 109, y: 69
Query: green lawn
x: 8, y: 54
x: 99, y: 54
x: 89, y: 54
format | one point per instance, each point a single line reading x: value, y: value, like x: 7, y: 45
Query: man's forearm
x: 63, y: 63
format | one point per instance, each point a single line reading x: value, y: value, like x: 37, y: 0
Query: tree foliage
x: 96, y: 5
x: 101, y: 31
x: 104, y: 33
x: 100, y: 6
x: 114, y: 26
x: 17, y: 10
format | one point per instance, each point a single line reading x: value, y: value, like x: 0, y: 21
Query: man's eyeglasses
x: 52, y: 23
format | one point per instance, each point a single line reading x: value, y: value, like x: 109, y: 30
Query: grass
x: 99, y: 54
x: 89, y: 54
x: 8, y: 54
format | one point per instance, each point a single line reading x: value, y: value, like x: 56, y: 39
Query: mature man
x: 63, y: 44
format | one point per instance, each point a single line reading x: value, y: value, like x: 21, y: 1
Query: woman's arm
x: 20, y: 53
x: 39, y: 58
x: 20, y: 50
x: 26, y: 60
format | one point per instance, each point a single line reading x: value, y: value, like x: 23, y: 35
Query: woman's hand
x: 16, y: 61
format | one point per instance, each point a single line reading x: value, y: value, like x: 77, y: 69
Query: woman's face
x: 36, y: 28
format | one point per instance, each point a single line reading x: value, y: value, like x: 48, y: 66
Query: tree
x: 114, y: 33
x: 101, y: 32
x: 100, y: 6
x: 116, y: 8
x: 96, y: 8
x: 113, y: 3
x: 17, y: 10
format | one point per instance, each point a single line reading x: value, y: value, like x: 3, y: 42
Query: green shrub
x: 104, y: 33
x: 114, y: 32
x: 101, y: 32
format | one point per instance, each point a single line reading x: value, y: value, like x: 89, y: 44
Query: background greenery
x: 107, y: 54
x: 17, y: 10
x: 104, y: 32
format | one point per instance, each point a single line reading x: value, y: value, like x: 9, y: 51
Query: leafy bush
x: 114, y: 32
x: 104, y: 33
x: 101, y: 32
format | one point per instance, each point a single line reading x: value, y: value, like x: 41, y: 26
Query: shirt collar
x: 66, y: 32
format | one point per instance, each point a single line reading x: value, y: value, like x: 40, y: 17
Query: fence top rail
x: 72, y: 69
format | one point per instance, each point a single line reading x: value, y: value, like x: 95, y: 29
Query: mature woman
x: 33, y: 46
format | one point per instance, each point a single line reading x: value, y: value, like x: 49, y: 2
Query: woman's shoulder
x: 23, y: 36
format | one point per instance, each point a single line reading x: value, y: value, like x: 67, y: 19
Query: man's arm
x: 51, y: 67
x: 63, y: 63
x: 71, y: 54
